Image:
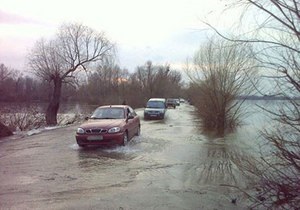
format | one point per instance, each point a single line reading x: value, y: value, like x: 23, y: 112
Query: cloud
x: 11, y: 18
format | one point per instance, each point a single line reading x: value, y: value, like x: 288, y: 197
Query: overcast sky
x: 163, y: 31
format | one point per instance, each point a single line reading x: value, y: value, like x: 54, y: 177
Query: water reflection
x: 218, y: 167
x: 222, y: 157
x: 218, y: 162
x: 64, y: 108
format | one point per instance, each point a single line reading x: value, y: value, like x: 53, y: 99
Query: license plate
x: 95, y: 138
x: 153, y: 115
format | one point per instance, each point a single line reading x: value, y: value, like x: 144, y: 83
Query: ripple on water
x: 129, y: 148
x: 125, y: 153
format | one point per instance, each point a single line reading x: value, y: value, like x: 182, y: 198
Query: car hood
x: 154, y: 109
x: 103, y: 123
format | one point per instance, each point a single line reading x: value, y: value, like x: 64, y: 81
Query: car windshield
x: 155, y: 104
x: 108, y: 113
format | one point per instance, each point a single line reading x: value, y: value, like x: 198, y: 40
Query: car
x: 171, y: 102
x: 155, y: 108
x: 109, y: 125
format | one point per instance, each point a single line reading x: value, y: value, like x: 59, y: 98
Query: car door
x: 131, y: 123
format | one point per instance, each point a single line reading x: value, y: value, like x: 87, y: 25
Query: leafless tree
x: 105, y: 85
x: 277, y: 48
x: 58, y: 60
x: 146, y: 74
x: 221, y: 72
x: 158, y: 80
x: 4, y: 73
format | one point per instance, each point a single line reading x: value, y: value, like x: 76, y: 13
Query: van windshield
x: 156, y: 104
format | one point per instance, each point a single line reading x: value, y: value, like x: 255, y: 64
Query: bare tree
x: 58, y: 60
x: 4, y: 73
x: 104, y: 84
x: 146, y: 74
x: 220, y: 73
x: 157, y: 80
x: 277, y: 48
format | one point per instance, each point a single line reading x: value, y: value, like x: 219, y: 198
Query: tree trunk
x: 51, y: 113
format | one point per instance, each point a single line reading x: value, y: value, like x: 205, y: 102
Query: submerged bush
x: 22, y: 118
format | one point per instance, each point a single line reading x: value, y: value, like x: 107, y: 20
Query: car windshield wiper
x: 103, y: 118
x: 96, y: 118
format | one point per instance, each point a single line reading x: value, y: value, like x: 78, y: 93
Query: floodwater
x: 171, y: 165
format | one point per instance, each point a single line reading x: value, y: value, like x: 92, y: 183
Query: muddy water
x: 170, y: 166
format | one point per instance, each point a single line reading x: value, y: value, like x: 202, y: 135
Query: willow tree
x: 221, y: 73
x: 58, y: 60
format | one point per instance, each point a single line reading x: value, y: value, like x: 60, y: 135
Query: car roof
x: 157, y: 99
x: 114, y: 106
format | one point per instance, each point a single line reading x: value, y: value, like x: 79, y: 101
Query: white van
x: 155, y: 108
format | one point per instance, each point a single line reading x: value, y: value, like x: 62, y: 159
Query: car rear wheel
x: 125, y: 139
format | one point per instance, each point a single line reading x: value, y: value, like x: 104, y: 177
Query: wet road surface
x: 169, y: 166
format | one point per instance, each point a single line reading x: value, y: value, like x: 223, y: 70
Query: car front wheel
x: 138, y: 132
x: 81, y: 145
x: 125, y: 139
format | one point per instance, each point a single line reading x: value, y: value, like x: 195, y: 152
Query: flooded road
x: 169, y: 166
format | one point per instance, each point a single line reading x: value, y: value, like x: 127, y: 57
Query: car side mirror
x: 130, y: 116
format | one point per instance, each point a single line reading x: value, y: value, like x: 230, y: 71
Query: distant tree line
x: 18, y: 87
x: 109, y: 84
x: 106, y: 84
x: 15, y: 87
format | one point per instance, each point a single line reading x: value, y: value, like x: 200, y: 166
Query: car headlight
x: 114, y: 130
x: 80, y: 131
